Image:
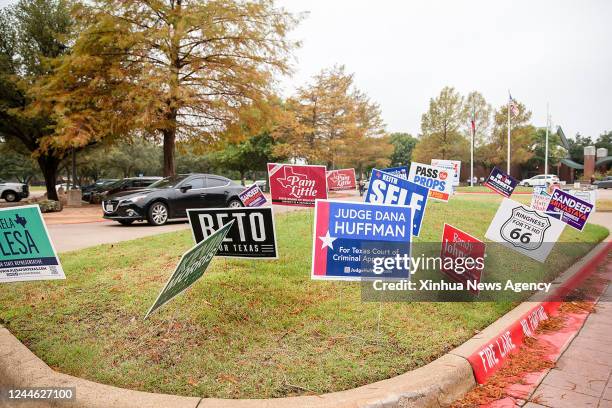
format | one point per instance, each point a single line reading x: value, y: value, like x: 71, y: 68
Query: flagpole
x: 508, y: 164
x: 472, y: 147
x: 546, y: 148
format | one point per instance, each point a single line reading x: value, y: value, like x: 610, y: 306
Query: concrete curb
x: 436, y: 384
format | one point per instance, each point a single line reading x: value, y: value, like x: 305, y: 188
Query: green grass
x: 248, y: 328
x: 483, y: 189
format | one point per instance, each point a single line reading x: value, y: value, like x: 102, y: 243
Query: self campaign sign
x: 251, y: 236
x: 343, y: 179
x: 457, y: 244
x: 26, y: 251
x: 400, y: 171
x: 351, y: 238
x: 386, y: 188
x: 501, y: 182
x: 439, y: 181
x: 252, y: 196
x: 297, y: 185
x: 574, y: 211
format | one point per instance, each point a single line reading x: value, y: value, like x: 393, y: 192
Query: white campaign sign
x: 525, y: 230
x: 454, y: 165
x: 590, y: 196
x: 540, y: 199
x: 438, y: 180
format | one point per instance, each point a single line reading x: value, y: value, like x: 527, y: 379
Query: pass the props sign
x: 251, y: 236
x: 458, y: 244
x: 252, y: 196
x: 297, y: 185
x: 26, y: 251
x: 343, y: 179
x: 574, y: 211
x: 436, y: 179
x: 401, y: 171
x: 388, y: 189
x: 532, y: 233
x: 191, y: 267
x: 454, y: 166
x: 349, y: 235
x: 501, y: 182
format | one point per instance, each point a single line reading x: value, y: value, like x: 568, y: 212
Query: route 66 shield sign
x: 525, y: 228
x: 532, y: 233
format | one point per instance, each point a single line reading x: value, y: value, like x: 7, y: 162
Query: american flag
x: 513, y: 106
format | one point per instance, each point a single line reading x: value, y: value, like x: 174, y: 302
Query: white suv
x: 540, y: 180
x: 13, y: 192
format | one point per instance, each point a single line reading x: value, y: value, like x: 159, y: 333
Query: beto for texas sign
x: 343, y: 179
x: 298, y: 185
x: 386, y: 188
x: 438, y: 180
x: 354, y: 240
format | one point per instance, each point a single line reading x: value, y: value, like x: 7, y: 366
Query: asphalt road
x: 69, y: 237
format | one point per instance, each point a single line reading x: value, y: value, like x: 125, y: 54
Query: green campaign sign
x: 191, y: 267
x: 26, y: 251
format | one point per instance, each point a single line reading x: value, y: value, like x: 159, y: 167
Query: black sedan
x: 606, y: 182
x: 170, y: 198
x: 126, y: 184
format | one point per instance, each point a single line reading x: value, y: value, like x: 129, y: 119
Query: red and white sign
x: 298, y: 185
x: 467, y: 254
x: 343, y: 179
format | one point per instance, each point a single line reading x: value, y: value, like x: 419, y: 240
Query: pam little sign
x: 343, y: 179
x: 298, y: 185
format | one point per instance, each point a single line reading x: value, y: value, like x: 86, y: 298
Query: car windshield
x: 168, y: 182
x: 114, y: 184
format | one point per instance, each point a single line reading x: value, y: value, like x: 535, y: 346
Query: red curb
x: 488, y: 359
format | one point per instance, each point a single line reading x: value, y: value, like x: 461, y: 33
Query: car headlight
x: 136, y: 199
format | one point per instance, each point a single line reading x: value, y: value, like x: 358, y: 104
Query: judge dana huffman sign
x: 26, y: 251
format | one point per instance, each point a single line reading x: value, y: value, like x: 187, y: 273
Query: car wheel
x: 10, y: 196
x: 125, y: 222
x: 235, y: 204
x: 158, y: 214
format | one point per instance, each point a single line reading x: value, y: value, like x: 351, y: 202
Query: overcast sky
x: 404, y: 52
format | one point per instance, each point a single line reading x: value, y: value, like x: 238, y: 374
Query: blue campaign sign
x: 401, y: 171
x: 386, y: 188
x: 353, y: 240
x: 501, y: 182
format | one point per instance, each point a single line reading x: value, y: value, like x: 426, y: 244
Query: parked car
x: 606, y: 182
x: 126, y: 184
x: 170, y: 198
x: 540, y: 180
x: 13, y: 192
x: 96, y: 187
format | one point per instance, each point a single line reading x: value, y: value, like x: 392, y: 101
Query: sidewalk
x: 581, y: 377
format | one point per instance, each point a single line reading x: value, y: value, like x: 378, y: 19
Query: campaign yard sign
x: 252, y: 196
x: 590, y: 196
x: 457, y: 244
x: 454, y: 166
x: 251, y: 236
x: 530, y: 232
x: 501, y: 182
x: 343, y: 179
x: 436, y: 179
x: 352, y: 240
x: 574, y: 211
x: 297, y: 185
x: 26, y: 251
x: 540, y: 198
x: 190, y: 268
x: 401, y: 171
x: 386, y: 188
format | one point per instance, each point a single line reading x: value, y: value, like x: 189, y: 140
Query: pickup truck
x: 13, y: 192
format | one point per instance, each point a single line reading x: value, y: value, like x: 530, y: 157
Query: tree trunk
x: 48, y: 166
x: 169, y: 141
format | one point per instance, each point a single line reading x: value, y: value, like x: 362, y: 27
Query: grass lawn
x: 248, y: 328
x: 483, y: 189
